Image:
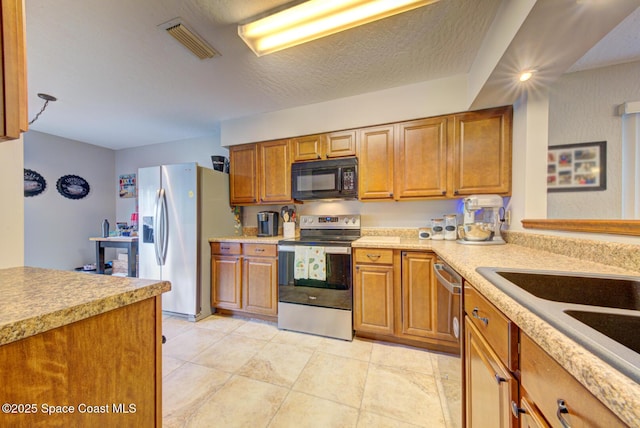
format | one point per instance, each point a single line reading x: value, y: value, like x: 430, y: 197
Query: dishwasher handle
x: 454, y: 284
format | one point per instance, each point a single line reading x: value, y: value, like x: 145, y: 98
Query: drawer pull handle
x: 225, y: 248
x: 373, y: 257
x: 499, y: 379
x: 515, y: 410
x: 562, y: 410
x: 259, y: 250
x: 474, y: 314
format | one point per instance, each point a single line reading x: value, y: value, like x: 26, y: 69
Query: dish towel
x: 300, y: 262
x: 317, y: 263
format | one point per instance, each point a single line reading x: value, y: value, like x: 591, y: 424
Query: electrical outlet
x: 507, y: 217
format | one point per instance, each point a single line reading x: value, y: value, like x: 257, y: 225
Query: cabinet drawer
x: 374, y: 255
x: 546, y: 382
x: 226, y: 248
x: 501, y: 333
x: 263, y: 250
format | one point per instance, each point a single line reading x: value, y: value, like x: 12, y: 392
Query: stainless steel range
x: 315, y: 292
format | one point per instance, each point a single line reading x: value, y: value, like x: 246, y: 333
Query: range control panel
x: 330, y: 221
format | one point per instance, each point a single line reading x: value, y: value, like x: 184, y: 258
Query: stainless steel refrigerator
x: 181, y: 206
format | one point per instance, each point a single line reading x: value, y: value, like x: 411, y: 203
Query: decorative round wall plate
x: 72, y: 187
x: 34, y: 183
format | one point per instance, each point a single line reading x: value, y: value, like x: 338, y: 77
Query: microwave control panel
x: 348, y: 179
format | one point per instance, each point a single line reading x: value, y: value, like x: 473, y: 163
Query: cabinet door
x: 13, y: 73
x: 418, y: 295
x: 373, y: 299
x: 226, y: 284
x: 421, y: 159
x: 260, y: 285
x: 375, y: 163
x: 482, y: 152
x: 489, y: 386
x: 243, y: 174
x: 309, y: 147
x: 275, y: 171
x: 340, y: 144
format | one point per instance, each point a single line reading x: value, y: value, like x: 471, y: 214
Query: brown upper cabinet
x: 481, y: 152
x: 260, y: 173
x: 439, y: 157
x: 375, y: 162
x: 274, y: 172
x: 13, y: 105
x: 324, y: 146
x: 243, y: 174
x: 421, y: 159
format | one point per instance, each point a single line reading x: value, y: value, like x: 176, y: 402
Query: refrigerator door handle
x: 157, y: 227
x: 164, y: 225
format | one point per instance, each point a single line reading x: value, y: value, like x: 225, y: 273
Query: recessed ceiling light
x: 526, y: 75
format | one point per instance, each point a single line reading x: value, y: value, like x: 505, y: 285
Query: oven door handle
x: 327, y: 250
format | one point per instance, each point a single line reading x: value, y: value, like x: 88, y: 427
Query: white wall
x: 582, y: 108
x: 12, y: 212
x: 425, y: 99
x: 57, y: 229
x: 127, y: 161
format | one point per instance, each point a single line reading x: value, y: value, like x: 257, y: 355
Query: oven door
x: 334, y: 292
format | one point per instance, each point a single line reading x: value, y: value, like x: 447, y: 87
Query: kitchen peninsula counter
x: 35, y: 300
x: 80, y: 349
x: 616, y: 390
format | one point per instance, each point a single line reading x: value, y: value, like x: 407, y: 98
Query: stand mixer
x: 484, y: 230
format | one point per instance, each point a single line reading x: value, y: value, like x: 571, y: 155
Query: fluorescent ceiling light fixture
x: 314, y: 19
x: 526, y: 75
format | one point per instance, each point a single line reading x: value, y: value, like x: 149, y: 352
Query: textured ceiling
x: 123, y: 82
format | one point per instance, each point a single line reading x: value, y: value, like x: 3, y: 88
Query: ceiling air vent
x: 189, y: 39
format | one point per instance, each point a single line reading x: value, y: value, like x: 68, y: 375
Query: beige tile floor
x: 235, y: 372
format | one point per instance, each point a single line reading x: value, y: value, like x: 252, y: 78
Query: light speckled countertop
x: 620, y: 393
x: 35, y: 300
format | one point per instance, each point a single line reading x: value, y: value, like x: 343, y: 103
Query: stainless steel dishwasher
x: 449, y: 298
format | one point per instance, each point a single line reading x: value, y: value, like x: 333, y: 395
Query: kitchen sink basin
x: 621, y: 328
x: 600, y: 312
x: 581, y: 290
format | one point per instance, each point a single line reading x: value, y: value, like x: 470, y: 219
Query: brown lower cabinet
x: 509, y: 381
x: 105, y: 370
x: 396, y: 299
x: 244, y: 278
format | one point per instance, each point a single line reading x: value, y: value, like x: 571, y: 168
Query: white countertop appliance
x: 482, y: 220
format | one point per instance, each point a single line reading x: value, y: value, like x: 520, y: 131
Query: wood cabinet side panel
x: 109, y: 359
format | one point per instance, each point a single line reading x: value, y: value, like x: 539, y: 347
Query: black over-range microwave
x: 325, y: 179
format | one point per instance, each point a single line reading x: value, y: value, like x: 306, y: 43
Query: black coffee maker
x: 267, y: 223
